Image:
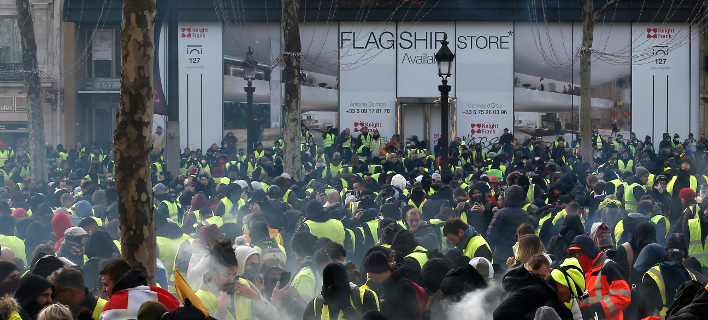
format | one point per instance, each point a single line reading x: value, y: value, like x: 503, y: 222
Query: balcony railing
x: 10, y: 71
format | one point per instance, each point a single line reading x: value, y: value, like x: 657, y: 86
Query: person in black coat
x: 398, y: 297
x: 502, y: 230
x: 453, y: 287
x: 531, y: 291
x: 572, y: 227
x: 644, y: 234
x: 33, y: 294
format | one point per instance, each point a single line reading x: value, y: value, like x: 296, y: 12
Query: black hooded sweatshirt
x: 29, y: 288
x: 398, y: 298
x: 572, y: 227
x: 337, y: 294
x: 453, y: 287
x: 528, y: 291
x: 501, y: 234
x: 644, y: 234
x: 440, y: 198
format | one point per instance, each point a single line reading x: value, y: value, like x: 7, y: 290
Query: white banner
x: 102, y: 44
x: 485, y: 80
x: 417, y: 69
x: 367, y: 77
x: 662, y: 85
x: 201, y: 79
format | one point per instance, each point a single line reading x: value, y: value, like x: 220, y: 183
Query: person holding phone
x: 225, y: 294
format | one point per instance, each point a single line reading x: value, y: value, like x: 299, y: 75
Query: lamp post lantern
x: 444, y: 58
x: 249, y: 74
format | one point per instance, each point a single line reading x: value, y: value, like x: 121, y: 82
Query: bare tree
x: 291, y: 75
x: 133, y: 136
x: 590, y: 16
x: 35, y: 115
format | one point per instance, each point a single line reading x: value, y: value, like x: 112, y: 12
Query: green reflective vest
x: 696, y: 248
x: 332, y: 229
x: 473, y: 245
x: 693, y: 183
x: 241, y: 305
x: 630, y: 202
x: 655, y: 274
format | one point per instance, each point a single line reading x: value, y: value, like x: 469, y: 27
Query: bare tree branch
x: 609, y: 5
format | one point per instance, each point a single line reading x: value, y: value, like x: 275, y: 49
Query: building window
x: 10, y: 46
x: 103, y: 53
x: 235, y: 114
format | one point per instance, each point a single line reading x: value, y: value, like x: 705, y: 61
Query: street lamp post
x: 249, y: 74
x: 444, y: 58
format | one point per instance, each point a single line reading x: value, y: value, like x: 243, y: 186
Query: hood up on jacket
x: 514, y: 196
x: 644, y: 234
x: 28, y: 289
x: 130, y: 279
x: 404, y: 242
x: 100, y: 244
x: 572, y: 227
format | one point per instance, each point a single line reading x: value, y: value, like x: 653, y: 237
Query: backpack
x: 421, y: 298
x: 270, y: 249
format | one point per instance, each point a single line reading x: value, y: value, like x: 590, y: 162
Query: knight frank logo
x: 660, y: 33
x: 194, y: 32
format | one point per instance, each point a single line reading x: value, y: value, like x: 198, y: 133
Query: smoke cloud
x: 476, y: 305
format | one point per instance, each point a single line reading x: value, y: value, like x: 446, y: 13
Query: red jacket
x: 609, y: 292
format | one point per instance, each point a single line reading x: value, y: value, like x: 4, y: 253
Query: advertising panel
x: 485, y: 80
x: 416, y: 66
x: 661, y: 80
x: 367, y: 51
x: 200, y: 84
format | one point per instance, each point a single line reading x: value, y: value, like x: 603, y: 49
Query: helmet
x: 274, y: 192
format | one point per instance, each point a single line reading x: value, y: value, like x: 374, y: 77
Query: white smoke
x: 476, y: 305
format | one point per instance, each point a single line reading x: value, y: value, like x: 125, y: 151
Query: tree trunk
x: 133, y: 136
x: 291, y: 74
x: 35, y: 115
x: 585, y: 78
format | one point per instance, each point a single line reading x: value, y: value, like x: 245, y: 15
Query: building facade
x: 13, y: 100
x: 516, y: 67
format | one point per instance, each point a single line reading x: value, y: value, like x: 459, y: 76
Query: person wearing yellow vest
x: 465, y: 238
x: 69, y: 289
x: 229, y: 205
x: 697, y: 231
x: 8, y: 238
x: 321, y: 224
x: 339, y: 300
x: 661, y: 277
x: 636, y: 188
x: 169, y: 237
x: 684, y: 179
x: 308, y: 280
x: 228, y: 296
x: 328, y: 139
x: 626, y: 164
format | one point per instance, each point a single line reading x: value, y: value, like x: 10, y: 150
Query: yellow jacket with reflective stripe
x: 696, y: 248
x: 331, y: 228
x: 241, y: 305
x: 693, y: 184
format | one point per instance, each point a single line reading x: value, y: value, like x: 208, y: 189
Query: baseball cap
x: 75, y: 232
x: 159, y: 187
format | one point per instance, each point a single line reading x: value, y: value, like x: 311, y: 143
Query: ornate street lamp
x: 444, y: 57
x: 249, y: 74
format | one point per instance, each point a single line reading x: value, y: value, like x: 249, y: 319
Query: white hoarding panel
x: 367, y: 75
x: 201, y: 79
x: 485, y: 80
x: 661, y: 80
x: 416, y: 66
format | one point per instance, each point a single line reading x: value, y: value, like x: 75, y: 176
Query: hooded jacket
x: 455, y: 285
x: 559, y: 244
x: 338, y: 294
x: 480, y: 220
x: 100, y: 250
x: 614, y: 291
x: 37, y: 234
x: 60, y: 222
x: 691, y: 302
x: 644, y: 234
x: 502, y: 230
x: 29, y: 288
x: 398, y: 297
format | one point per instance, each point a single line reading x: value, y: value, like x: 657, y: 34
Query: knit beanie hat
x: 376, y: 262
x: 687, y: 194
x: 641, y: 171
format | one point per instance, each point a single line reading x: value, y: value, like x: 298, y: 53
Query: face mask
x: 417, y: 194
x: 477, y: 198
x: 159, y: 133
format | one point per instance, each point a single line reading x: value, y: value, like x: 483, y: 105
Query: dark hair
x: 599, y: 187
x: 453, y: 226
x: 115, y: 269
x: 303, y: 243
x: 88, y: 221
x: 537, y: 261
x: 645, y: 207
x: 525, y: 229
x: 330, y: 252
x: 223, y: 253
